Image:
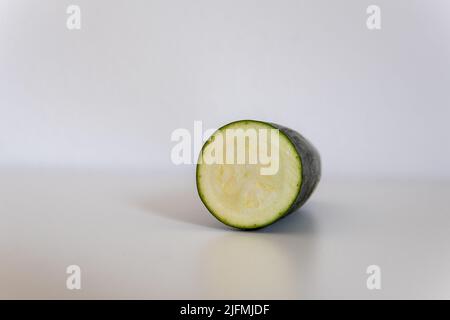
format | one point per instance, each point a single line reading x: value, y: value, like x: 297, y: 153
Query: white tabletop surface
x: 147, y: 235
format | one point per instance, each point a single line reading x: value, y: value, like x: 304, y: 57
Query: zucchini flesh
x: 239, y: 195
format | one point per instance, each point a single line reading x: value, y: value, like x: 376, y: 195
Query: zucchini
x: 249, y: 193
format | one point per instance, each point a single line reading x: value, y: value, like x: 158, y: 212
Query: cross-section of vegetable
x: 252, y: 173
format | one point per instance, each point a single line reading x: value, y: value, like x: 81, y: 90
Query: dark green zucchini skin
x: 311, y: 166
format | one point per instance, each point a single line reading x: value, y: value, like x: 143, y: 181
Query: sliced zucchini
x: 249, y: 194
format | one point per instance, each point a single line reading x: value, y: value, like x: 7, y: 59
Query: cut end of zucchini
x: 239, y: 194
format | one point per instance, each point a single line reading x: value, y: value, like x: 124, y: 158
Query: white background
x: 375, y: 103
x: 85, y: 124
